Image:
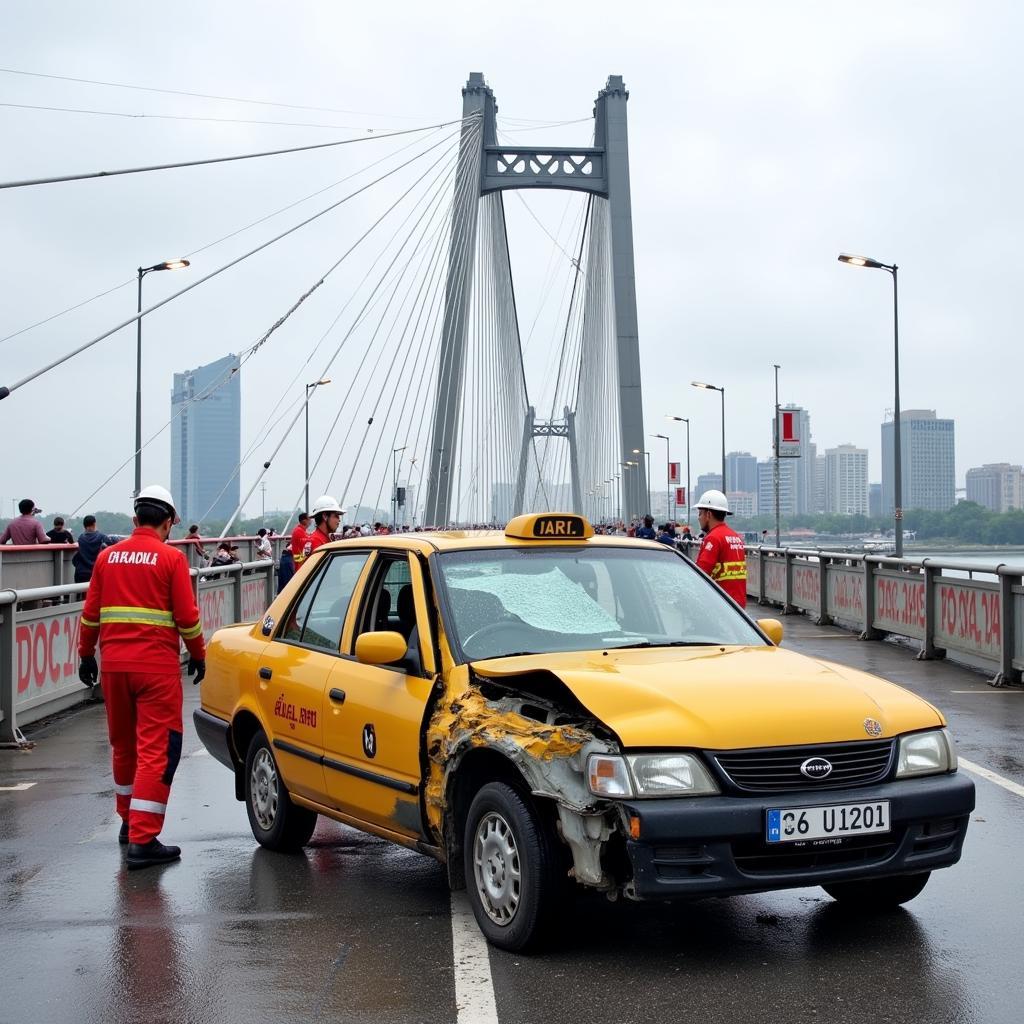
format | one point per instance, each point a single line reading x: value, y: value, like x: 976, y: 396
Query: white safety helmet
x: 154, y: 494
x: 325, y: 503
x: 715, y: 501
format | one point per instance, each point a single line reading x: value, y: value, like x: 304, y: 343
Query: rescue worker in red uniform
x: 139, y: 603
x: 723, y: 555
x: 327, y: 515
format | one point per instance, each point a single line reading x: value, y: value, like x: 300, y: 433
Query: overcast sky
x: 764, y: 140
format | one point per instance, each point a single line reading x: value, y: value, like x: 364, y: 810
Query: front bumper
x: 715, y: 846
x: 214, y: 734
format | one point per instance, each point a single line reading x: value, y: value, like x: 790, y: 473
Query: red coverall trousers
x: 144, y: 724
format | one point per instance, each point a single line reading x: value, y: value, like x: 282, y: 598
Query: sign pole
x: 776, y: 432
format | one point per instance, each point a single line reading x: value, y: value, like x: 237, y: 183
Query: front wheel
x: 276, y: 822
x: 874, y: 894
x: 511, y: 867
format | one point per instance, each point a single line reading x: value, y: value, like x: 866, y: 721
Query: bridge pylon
x: 486, y: 167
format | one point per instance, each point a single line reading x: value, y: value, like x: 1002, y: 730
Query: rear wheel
x: 874, y: 894
x: 276, y: 822
x: 511, y: 867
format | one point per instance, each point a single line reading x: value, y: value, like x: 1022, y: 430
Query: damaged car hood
x: 721, y: 698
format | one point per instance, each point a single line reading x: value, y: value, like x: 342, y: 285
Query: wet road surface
x: 355, y: 929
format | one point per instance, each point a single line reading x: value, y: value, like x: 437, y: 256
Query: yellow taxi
x: 545, y: 707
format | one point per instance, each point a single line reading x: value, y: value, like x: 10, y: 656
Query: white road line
x: 985, y: 773
x: 201, y: 752
x: 991, y: 689
x: 19, y: 788
x: 474, y: 990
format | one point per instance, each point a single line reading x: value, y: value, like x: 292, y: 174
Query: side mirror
x: 381, y: 648
x: 773, y: 629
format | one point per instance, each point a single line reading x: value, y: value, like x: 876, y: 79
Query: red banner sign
x: 680, y: 495
x: 673, y: 472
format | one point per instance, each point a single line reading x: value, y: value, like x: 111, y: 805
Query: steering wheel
x: 503, y: 625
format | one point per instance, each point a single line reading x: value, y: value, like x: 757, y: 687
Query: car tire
x: 511, y: 868
x: 876, y: 894
x: 276, y: 822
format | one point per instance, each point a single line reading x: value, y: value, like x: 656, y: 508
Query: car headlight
x: 926, y: 753
x: 648, y: 775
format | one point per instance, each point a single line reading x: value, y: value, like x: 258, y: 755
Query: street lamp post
x: 644, y: 500
x: 712, y: 387
x: 777, y: 467
x: 669, y: 510
x: 618, y: 499
x: 394, y: 485
x: 143, y: 271
x: 684, y: 419
x: 626, y: 488
x: 897, y: 454
x: 310, y: 387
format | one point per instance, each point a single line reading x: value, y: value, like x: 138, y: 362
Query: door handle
x: 338, y: 696
x: 266, y: 673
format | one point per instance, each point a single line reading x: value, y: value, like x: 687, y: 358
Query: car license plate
x: 795, y: 824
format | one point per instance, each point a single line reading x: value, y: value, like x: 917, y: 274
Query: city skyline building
x: 846, y: 480
x: 998, y: 486
x: 928, y: 462
x: 740, y: 472
x: 206, y: 440
x: 788, y: 482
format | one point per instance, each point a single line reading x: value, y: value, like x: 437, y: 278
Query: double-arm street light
x: 897, y: 460
x: 311, y: 387
x: 713, y: 387
x: 689, y: 500
x: 143, y: 271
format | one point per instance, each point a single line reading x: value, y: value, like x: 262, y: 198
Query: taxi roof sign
x: 549, y: 526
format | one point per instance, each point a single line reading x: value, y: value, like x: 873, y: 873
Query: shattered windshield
x: 543, y: 600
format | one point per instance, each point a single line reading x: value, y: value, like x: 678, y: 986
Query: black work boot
x: 122, y: 836
x: 144, y: 855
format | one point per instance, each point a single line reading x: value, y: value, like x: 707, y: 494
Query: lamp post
x: 143, y: 271
x: 684, y: 419
x: 645, y: 500
x: 394, y: 485
x: 310, y: 387
x: 712, y: 387
x: 618, y: 499
x: 777, y: 368
x: 669, y: 510
x: 897, y: 454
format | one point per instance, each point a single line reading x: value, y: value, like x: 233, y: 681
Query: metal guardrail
x: 976, y: 622
x: 39, y: 636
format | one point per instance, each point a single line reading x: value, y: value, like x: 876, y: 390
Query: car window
x: 319, y: 615
x: 543, y: 600
x: 388, y: 602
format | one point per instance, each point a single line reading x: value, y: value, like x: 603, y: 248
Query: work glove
x: 197, y: 668
x: 88, y: 670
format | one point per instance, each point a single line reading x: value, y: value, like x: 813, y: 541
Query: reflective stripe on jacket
x: 139, y: 603
x: 723, y: 556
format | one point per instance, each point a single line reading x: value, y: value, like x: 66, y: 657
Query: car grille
x: 754, y: 858
x: 777, y: 770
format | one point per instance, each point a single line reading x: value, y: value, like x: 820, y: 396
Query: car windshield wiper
x: 667, y: 643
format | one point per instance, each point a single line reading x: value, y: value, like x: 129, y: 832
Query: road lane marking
x: 986, y: 773
x: 474, y: 989
x: 19, y: 788
x: 201, y: 752
x: 991, y: 689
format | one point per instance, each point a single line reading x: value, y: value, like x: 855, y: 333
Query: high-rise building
x: 743, y: 503
x: 503, y: 496
x: 741, y: 472
x: 846, y: 480
x: 996, y: 485
x: 707, y: 482
x: 819, y: 503
x: 788, y: 479
x: 928, y: 463
x: 875, y: 501
x: 206, y: 440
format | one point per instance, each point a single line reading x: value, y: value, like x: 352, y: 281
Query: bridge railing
x: 977, y: 620
x: 29, y: 566
x: 39, y: 636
